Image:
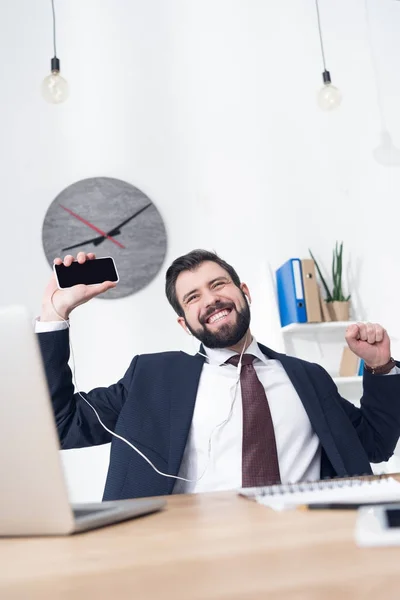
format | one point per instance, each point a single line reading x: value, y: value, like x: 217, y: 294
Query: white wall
x: 209, y: 107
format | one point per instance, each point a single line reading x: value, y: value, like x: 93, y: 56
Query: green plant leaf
x: 337, y: 275
x: 340, y: 269
x: 334, y: 275
x: 328, y: 294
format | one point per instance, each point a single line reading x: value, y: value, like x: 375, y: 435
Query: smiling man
x: 215, y: 310
x: 235, y: 414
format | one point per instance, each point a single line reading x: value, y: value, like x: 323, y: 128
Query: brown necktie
x: 259, y: 455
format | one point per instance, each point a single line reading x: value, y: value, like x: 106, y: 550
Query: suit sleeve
x: 77, y: 423
x: 377, y: 421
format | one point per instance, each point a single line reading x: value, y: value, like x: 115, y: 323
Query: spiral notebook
x: 355, y: 489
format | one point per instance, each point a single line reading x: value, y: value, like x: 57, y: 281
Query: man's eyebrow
x: 221, y: 277
x: 186, y: 296
x: 218, y: 279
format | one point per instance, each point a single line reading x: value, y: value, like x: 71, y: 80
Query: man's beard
x: 227, y: 335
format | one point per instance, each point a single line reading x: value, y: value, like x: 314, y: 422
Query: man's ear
x: 246, y: 291
x: 182, y: 323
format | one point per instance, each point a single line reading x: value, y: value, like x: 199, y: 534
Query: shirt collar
x: 220, y: 355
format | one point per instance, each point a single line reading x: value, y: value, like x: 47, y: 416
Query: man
x: 236, y: 413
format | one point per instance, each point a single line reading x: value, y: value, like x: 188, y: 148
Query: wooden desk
x: 217, y: 546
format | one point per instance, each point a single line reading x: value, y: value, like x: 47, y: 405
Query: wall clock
x: 111, y: 218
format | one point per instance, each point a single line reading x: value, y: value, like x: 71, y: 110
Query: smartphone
x: 378, y: 525
x: 90, y: 272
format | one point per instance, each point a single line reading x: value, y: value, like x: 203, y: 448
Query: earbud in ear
x: 187, y: 331
x: 248, y: 300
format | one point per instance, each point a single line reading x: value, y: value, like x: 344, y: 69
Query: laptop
x: 34, y: 496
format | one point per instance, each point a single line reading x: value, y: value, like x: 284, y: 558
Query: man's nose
x: 210, y: 299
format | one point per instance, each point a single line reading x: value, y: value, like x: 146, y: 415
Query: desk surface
x: 209, y: 546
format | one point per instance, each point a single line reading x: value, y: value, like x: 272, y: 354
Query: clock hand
x: 100, y: 240
x: 113, y: 231
x: 103, y: 234
x: 77, y: 245
x: 116, y: 231
x: 96, y: 241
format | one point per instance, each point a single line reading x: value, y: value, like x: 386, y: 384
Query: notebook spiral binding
x: 310, y: 486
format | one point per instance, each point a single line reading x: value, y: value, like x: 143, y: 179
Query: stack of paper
x: 326, y: 492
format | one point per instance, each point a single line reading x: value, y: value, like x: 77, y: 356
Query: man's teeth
x: 218, y: 316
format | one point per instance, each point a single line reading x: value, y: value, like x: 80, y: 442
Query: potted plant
x: 337, y: 303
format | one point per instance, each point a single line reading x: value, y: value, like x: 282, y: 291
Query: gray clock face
x: 109, y: 217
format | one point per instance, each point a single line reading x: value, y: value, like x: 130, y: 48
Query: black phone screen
x: 89, y: 273
x: 393, y: 517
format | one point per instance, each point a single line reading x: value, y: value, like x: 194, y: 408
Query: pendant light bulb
x: 329, y: 97
x: 54, y: 87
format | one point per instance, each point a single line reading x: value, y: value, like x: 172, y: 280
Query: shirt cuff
x: 47, y: 326
x: 394, y: 371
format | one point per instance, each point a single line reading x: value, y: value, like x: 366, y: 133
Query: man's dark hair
x: 190, y: 262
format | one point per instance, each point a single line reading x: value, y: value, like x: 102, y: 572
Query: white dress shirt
x: 298, y: 446
x: 212, y: 458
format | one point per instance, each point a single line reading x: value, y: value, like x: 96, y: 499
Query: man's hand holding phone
x: 65, y: 300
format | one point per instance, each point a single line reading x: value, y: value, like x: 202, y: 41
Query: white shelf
x: 347, y: 380
x: 314, y: 328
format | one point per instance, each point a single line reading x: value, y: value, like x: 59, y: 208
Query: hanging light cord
x: 320, y: 34
x: 375, y: 67
x: 54, y: 28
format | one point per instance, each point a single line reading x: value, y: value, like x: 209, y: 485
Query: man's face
x: 216, y: 311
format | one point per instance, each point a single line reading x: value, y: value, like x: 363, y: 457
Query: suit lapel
x: 183, y: 399
x: 303, y: 385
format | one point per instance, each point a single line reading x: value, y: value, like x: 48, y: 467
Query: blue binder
x: 292, y: 305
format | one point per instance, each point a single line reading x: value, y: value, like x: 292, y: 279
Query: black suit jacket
x: 152, y: 406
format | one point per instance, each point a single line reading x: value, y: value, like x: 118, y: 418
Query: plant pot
x: 341, y: 310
